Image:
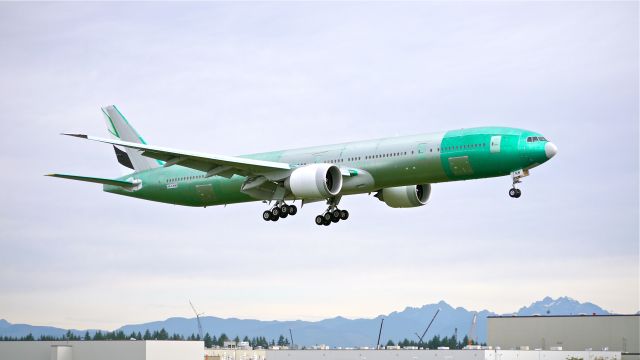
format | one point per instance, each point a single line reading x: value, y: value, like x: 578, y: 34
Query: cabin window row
x: 462, y: 147
x: 185, y: 178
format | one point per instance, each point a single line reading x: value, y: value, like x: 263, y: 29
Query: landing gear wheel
x: 513, y: 192
x: 518, y: 193
x: 293, y: 210
x: 275, y: 211
x: 284, y: 215
x: 266, y: 216
x: 284, y: 208
x: 344, y: 214
x: 326, y: 222
x: 319, y: 220
x: 327, y: 216
x: 274, y: 217
x: 335, y: 214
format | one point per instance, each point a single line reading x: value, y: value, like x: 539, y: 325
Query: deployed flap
x: 124, y: 184
x: 211, y: 164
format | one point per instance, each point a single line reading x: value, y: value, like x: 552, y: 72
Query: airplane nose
x: 550, y: 149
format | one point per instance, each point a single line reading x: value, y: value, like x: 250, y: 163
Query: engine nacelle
x: 315, y: 181
x: 405, y: 196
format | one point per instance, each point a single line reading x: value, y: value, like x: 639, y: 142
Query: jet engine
x: 315, y: 181
x: 405, y: 196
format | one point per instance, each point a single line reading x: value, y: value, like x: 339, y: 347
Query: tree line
x: 435, y: 342
x: 211, y: 341
x: 162, y: 334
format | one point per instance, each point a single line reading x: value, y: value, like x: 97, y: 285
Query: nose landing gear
x: 515, y: 177
x: 279, y: 211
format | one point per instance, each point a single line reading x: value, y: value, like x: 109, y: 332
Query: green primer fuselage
x: 374, y: 164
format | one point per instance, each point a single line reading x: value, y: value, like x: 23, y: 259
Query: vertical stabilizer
x: 119, y: 127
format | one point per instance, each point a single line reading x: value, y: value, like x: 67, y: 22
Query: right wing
x: 221, y: 165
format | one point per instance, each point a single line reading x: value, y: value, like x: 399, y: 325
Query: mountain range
x: 337, y: 331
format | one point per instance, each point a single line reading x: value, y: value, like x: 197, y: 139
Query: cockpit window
x: 541, y: 138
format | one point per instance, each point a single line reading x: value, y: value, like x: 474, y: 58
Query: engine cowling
x: 405, y: 196
x: 315, y: 181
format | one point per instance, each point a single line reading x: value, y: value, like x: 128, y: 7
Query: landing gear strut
x: 514, y: 192
x: 332, y: 214
x: 280, y: 210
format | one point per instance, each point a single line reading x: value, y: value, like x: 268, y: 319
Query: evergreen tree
x: 163, y: 335
x: 222, y: 339
x: 147, y: 335
x: 390, y: 343
x: 208, y: 342
x: 87, y: 336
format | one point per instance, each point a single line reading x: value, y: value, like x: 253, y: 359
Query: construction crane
x: 379, y: 334
x: 420, y: 338
x: 198, y: 318
x: 472, y: 330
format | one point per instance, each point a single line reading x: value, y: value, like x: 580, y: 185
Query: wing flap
x: 124, y: 184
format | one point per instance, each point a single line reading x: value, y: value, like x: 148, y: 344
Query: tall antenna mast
x: 472, y: 329
x: 198, y: 318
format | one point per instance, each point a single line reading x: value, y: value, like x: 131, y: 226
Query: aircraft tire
x: 266, y: 215
x: 512, y: 192
x: 344, y: 214
x: 518, y: 193
x: 293, y: 210
x: 319, y: 220
x: 327, y: 216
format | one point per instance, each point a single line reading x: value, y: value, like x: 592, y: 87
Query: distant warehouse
x: 567, y: 332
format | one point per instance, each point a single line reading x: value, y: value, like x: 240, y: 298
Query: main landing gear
x: 332, y: 214
x: 280, y: 210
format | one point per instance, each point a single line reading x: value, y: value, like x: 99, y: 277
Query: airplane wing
x: 124, y: 184
x: 220, y: 165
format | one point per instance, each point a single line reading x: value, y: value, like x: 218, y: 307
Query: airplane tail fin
x: 119, y: 127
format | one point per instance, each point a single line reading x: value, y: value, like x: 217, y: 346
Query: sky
x: 239, y: 78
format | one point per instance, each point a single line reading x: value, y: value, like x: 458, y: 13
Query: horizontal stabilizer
x: 124, y: 184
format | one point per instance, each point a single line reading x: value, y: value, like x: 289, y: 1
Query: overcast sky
x: 244, y: 77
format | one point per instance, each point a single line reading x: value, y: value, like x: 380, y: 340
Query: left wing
x: 220, y: 165
x: 91, y: 179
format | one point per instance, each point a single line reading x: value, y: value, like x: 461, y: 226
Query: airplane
x: 398, y: 170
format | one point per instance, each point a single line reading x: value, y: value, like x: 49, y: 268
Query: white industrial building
x: 569, y: 332
x: 410, y: 355
x: 102, y: 350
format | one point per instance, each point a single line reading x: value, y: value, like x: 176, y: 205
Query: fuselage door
x: 495, y: 144
x: 205, y: 192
